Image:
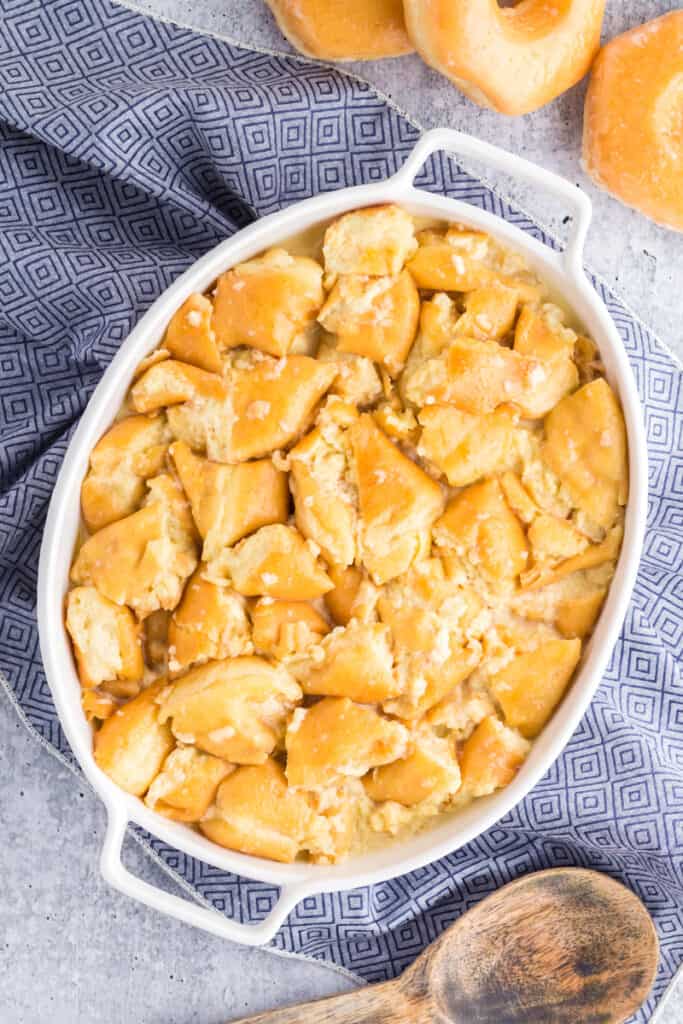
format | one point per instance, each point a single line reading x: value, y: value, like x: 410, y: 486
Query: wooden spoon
x: 565, y: 946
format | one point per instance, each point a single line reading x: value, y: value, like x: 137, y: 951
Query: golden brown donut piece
x: 273, y: 403
x: 210, y: 623
x: 229, y: 502
x: 375, y: 241
x: 186, y: 786
x: 358, y: 663
x: 398, y: 502
x: 340, y: 601
x: 275, y: 561
x: 133, y: 744
x: 343, y: 29
x: 512, y: 59
x: 429, y: 772
x: 235, y: 709
x: 632, y: 140
x: 190, y: 336
x: 530, y: 687
x: 171, y: 382
x: 491, y: 757
x: 479, y: 525
x: 267, y: 302
x: 144, y: 559
x: 324, y: 505
x: 586, y: 446
x: 336, y: 738
x: 98, y: 706
x: 466, y: 447
x: 282, y: 629
x: 374, y: 317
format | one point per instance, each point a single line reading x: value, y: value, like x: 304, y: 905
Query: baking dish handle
x: 459, y: 144
x: 213, y: 921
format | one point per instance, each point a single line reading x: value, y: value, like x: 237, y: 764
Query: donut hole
x: 533, y: 18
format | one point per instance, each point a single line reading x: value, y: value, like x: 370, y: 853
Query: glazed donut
x: 343, y: 29
x: 512, y: 59
x: 633, y: 122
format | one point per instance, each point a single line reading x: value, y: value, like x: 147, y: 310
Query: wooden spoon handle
x: 376, y: 1004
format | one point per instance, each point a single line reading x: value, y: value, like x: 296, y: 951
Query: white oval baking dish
x: 564, y: 273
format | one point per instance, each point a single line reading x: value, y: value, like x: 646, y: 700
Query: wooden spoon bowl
x: 565, y: 946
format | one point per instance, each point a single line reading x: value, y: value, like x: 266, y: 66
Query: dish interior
x: 409, y: 567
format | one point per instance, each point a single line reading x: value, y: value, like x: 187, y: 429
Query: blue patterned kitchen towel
x: 127, y: 149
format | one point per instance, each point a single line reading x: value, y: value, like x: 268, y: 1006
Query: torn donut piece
x: 513, y: 59
x: 398, y: 502
x: 325, y: 501
x: 374, y: 241
x: 130, y: 452
x: 105, y: 636
x: 264, y: 404
x: 144, y: 559
x: 342, y: 600
x: 256, y: 812
x: 530, y: 686
x: 571, y: 602
x: 553, y: 539
x: 229, y: 502
x: 436, y: 622
x: 172, y: 382
x: 375, y: 317
x: 466, y: 447
x: 275, y: 561
x: 186, y: 786
x: 632, y: 136
x: 489, y: 312
x: 286, y: 629
x: 430, y: 771
x: 98, y: 706
x: 585, y: 445
x: 267, y: 302
x: 355, y: 30
x: 453, y: 261
x: 590, y: 557
x: 357, y: 379
x: 337, y: 737
x: 235, y: 709
x: 132, y: 744
x: 479, y: 527
x: 491, y: 757
x: 356, y: 662
x: 209, y: 624
x: 190, y: 336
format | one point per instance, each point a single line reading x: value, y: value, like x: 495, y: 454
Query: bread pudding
x: 346, y: 540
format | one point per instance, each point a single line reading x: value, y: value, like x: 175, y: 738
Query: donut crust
x: 633, y: 120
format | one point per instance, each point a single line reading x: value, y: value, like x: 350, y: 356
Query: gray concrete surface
x: 73, y: 951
